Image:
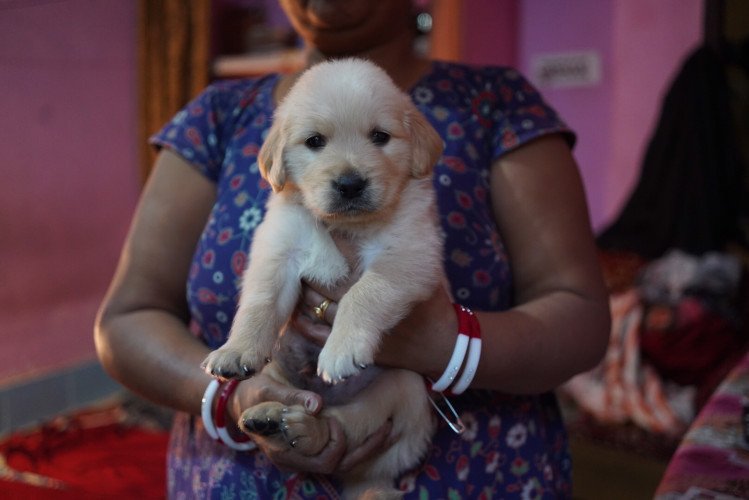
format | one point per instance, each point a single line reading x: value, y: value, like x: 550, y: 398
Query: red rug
x: 107, y: 452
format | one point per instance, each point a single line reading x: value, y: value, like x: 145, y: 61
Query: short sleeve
x: 520, y: 112
x: 201, y: 130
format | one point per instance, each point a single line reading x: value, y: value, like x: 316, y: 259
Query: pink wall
x: 489, y: 29
x: 641, y: 43
x: 552, y: 27
x: 68, y: 142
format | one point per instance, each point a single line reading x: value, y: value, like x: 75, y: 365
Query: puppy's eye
x: 316, y: 141
x: 379, y: 137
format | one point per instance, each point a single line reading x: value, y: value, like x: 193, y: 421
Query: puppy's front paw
x: 339, y: 360
x: 288, y: 427
x: 227, y: 362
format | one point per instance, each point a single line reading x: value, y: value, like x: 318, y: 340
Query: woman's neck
x: 396, y: 57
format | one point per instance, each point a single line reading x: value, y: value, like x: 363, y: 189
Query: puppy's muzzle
x: 350, y: 186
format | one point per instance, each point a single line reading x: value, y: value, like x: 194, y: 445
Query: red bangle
x: 245, y: 443
x: 464, y: 319
x: 223, y: 400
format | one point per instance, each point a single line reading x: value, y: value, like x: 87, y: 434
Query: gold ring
x: 320, y: 310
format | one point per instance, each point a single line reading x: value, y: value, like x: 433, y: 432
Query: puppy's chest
x: 359, y: 253
x: 344, y: 261
x: 330, y: 257
x: 326, y: 255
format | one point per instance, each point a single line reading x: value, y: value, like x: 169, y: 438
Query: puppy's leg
x: 288, y: 244
x: 264, y: 305
x: 375, y: 304
x: 270, y: 289
x: 399, y: 395
x: 403, y: 266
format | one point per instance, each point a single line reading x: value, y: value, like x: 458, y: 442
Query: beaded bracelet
x: 246, y: 443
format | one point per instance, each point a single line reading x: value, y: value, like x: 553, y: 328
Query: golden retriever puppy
x: 348, y: 155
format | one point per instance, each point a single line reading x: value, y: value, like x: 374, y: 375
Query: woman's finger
x: 262, y: 388
x: 311, y: 330
x: 290, y: 396
x: 320, y: 293
x: 310, y: 296
x: 319, y: 306
x: 325, y: 462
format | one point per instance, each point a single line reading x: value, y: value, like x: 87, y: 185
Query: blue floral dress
x: 515, y: 446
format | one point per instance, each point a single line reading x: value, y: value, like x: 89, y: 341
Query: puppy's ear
x: 426, y: 143
x: 270, y: 158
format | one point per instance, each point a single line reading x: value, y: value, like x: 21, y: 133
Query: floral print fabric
x: 515, y: 446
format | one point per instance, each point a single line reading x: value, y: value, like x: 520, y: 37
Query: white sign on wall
x: 566, y: 69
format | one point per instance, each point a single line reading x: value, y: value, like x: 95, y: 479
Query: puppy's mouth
x: 350, y: 208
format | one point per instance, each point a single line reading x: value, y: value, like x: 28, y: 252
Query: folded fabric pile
x: 676, y: 331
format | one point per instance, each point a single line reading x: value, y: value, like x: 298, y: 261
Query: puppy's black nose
x: 350, y: 185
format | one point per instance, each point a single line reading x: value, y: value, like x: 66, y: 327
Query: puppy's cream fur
x: 365, y: 175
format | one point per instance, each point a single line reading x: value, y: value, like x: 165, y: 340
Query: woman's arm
x: 141, y: 333
x: 560, y: 324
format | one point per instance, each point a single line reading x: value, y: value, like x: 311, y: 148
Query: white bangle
x: 472, y: 362
x: 206, y: 409
x: 453, y: 367
x: 459, y: 352
x: 235, y: 445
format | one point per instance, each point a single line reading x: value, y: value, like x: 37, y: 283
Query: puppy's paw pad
x: 291, y: 426
x: 264, y: 427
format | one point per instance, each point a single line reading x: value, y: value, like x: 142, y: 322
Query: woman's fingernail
x: 311, y: 405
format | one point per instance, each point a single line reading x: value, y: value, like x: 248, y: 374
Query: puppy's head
x: 348, y: 140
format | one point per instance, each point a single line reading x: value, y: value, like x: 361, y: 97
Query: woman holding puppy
x: 518, y: 251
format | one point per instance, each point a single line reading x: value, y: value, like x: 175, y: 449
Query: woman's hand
x: 334, y: 457
x: 421, y: 342
x: 308, y: 322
